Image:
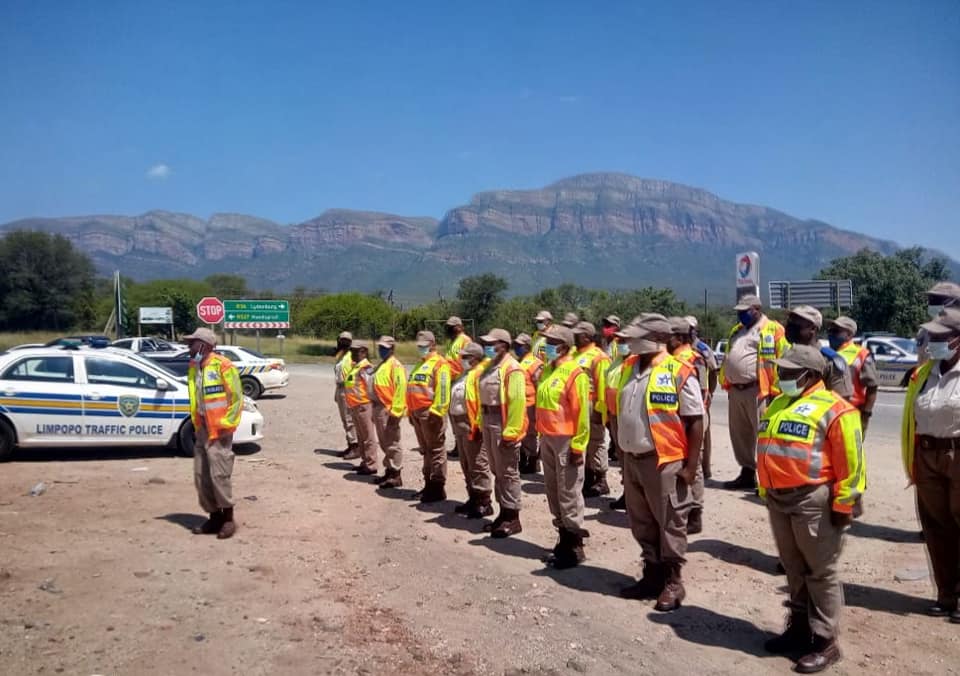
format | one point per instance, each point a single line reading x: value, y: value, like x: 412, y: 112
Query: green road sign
x: 256, y: 314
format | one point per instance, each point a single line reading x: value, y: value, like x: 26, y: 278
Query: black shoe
x: 695, y: 521
x: 797, y: 638
x: 747, y: 481
x: 649, y: 586
x: 364, y: 471
x: 480, y: 510
x: 780, y: 569
x: 826, y: 651
x: 941, y: 609
x: 466, y: 507
x: 619, y: 504
x: 955, y: 617
x: 433, y: 492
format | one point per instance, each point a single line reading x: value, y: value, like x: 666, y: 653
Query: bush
x: 364, y: 316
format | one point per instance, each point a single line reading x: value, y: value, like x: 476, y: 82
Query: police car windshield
x: 152, y: 364
x: 906, y: 344
x: 254, y: 353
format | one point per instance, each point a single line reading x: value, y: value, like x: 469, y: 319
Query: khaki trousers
x: 658, y: 503
x: 504, y: 460
x: 340, y: 396
x: 809, y: 546
x: 743, y: 416
x: 366, y: 434
x: 563, y: 482
x: 473, y: 459
x: 598, y: 460
x: 213, y: 469
x: 528, y: 445
x: 388, y: 435
x: 938, y: 499
x: 431, y: 437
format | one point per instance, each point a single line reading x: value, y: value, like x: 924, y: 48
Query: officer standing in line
x: 709, y: 387
x: 503, y: 416
x: 613, y: 408
x: 563, y: 422
x: 342, y: 363
x: 570, y: 320
x: 465, y: 423
x: 543, y: 321
x: 428, y: 399
x: 860, y: 363
x: 532, y: 368
x: 803, y: 325
x: 595, y: 363
x: 389, y: 408
x: 811, y: 473
x: 358, y: 387
x: 458, y: 340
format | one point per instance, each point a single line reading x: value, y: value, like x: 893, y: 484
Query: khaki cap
x: 543, y: 316
x: 584, y: 328
x: 203, y: 334
x: 570, y: 319
x: 471, y: 350
x: 845, y: 323
x: 808, y: 312
x: 387, y: 341
x: 946, y: 323
x: 679, y: 326
x: 426, y: 338
x: 692, y: 321
x: 802, y: 357
x: 561, y: 333
x: 945, y: 290
x: 497, y: 335
x: 345, y: 335
x: 454, y: 321
x: 613, y: 320
x: 522, y: 339
x: 748, y: 302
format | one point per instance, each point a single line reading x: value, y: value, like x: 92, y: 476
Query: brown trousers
x: 388, y: 435
x: 938, y: 499
x: 809, y: 546
x: 473, y: 459
x: 529, y: 445
x: 340, y: 396
x: 504, y: 461
x: 597, y: 460
x: 658, y: 503
x: 563, y: 483
x: 213, y: 469
x: 432, y: 439
x: 743, y: 417
x: 366, y: 434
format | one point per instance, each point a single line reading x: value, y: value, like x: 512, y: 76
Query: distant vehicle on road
x: 896, y: 359
x: 258, y: 373
x: 149, y: 346
x: 720, y: 351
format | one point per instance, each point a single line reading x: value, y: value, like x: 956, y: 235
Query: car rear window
x: 41, y: 369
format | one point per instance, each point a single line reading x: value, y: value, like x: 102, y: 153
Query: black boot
x: 598, y: 487
x: 229, y: 527
x: 695, y: 521
x: 649, y: 586
x: 482, y: 506
x: 211, y: 525
x: 433, y: 492
x: 589, y: 476
x: 569, y: 551
x: 796, y: 638
x: 619, y: 504
x: 391, y: 479
x: 467, y: 506
x: 747, y: 481
x: 509, y: 524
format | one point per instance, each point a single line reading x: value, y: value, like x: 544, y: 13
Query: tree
x: 45, y: 282
x: 479, y: 296
x: 230, y: 287
x: 366, y: 317
x: 889, y: 292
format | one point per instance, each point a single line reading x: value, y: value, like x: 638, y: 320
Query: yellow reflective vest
x: 390, y: 386
x: 908, y: 427
x: 222, y: 395
x: 429, y: 386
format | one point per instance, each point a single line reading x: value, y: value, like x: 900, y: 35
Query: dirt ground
x: 100, y: 574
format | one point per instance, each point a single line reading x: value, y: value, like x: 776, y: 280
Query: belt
x: 492, y: 408
x: 743, y: 386
x: 938, y: 443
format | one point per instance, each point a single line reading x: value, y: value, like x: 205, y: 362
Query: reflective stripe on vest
x: 355, y: 385
x: 472, y: 393
x: 530, y: 363
x: 420, y: 386
x: 220, y: 413
x: 452, y: 355
x: 855, y: 356
x: 552, y: 418
x: 663, y: 409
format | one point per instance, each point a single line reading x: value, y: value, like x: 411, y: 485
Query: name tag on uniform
x: 663, y: 398
x: 419, y: 377
x: 794, y: 429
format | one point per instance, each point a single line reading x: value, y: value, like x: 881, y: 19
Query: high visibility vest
x: 429, y: 386
x: 908, y: 428
x: 389, y: 385
x: 357, y: 384
x: 798, y: 445
x: 532, y: 366
x: 563, y: 402
x: 343, y: 362
x: 472, y: 393
x: 222, y: 395
x: 513, y: 400
x: 613, y: 389
x: 538, y: 344
x: 855, y: 356
x: 452, y: 355
x: 773, y: 343
x: 595, y: 363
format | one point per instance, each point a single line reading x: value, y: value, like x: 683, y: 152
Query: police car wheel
x: 186, y: 438
x: 7, y: 441
x: 251, y: 387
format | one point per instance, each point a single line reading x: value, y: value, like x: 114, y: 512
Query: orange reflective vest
x: 855, y: 356
x: 812, y: 439
x: 389, y: 385
x: 532, y: 368
x: 513, y: 400
x: 357, y: 384
x: 452, y: 355
x: 222, y: 395
x: 563, y: 402
x: 773, y: 343
x: 595, y: 362
x: 429, y: 386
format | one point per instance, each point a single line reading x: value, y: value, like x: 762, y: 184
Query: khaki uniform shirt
x: 633, y: 423
x: 742, y: 355
x: 937, y: 408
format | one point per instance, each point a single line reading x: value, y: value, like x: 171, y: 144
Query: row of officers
x: 798, y: 413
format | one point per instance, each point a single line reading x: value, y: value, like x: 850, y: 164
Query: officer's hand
x: 226, y: 439
x: 841, y: 519
x: 864, y: 424
x: 688, y: 475
x: 576, y: 459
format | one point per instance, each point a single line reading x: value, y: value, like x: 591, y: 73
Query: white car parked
x: 896, y: 359
x: 152, y: 346
x: 79, y: 396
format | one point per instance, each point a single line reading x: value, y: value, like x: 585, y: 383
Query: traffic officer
x: 458, y: 340
x: 679, y: 345
x: 358, y: 386
x: 749, y: 377
x: 613, y: 407
x: 570, y: 319
x: 216, y: 403
x: 342, y: 364
x: 931, y: 455
x: 860, y: 364
x: 595, y: 363
x: 660, y: 430
x: 803, y: 325
x: 811, y: 472
x: 428, y: 399
x: 940, y: 296
x: 710, y: 359
x: 543, y: 321
x: 563, y: 423
x: 465, y: 423
x: 503, y: 417
x: 532, y: 368
x: 389, y: 408
x: 608, y: 334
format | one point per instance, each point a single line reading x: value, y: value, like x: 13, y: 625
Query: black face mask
x: 450, y: 331
x: 793, y: 333
x: 343, y: 345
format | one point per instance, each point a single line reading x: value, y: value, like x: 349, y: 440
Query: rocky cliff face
x: 601, y: 230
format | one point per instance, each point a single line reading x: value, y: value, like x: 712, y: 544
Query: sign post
x: 748, y: 274
x: 155, y: 315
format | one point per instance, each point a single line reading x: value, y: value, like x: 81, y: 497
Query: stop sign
x: 210, y: 310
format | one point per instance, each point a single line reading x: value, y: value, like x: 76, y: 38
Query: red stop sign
x: 210, y: 310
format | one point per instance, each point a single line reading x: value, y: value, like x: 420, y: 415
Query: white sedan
x: 896, y: 359
x: 79, y: 396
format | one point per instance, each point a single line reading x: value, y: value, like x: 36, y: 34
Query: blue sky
x: 847, y: 112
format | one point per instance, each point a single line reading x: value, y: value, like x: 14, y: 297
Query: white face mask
x: 541, y: 326
x: 934, y: 310
x: 791, y: 388
x: 940, y: 350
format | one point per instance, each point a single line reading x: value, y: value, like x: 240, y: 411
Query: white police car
x: 896, y: 359
x: 79, y: 396
x: 257, y: 372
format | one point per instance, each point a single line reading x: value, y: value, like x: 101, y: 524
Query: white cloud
x: 159, y: 172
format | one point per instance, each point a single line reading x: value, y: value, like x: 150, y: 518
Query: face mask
x: 792, y: 333
x: 465, y: 365
x: 940, y: 350
x: 551, y: 352
x: 608, y: 331
x: 836, y: 342
x: 384, y: 352
x: 521, y: 351
x: 423, y: 351
x: 623, y: 348
x: 197, y: 358
x: 489, y: 351
x: 791, y: 388
x: 541, y: 326
x: 934, y: 310
x: 745, y: 317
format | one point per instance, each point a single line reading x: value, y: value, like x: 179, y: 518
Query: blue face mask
x: 745, y: 317
x: 489, y: 351
x: 384, y: 352
x: 836, y: 342
x: 939, y: 350
x: 551, y: 352
x: 423, y: 351
x: 521, y: 351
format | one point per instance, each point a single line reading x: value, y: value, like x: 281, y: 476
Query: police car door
x: 122, y: 404
x: 39, y: 394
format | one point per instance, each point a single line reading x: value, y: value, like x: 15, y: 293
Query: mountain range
x: 602, y: 230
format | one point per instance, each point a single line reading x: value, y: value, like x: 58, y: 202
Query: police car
x: 896, y: 359
x: 79, y: 396
x: 257, y: 372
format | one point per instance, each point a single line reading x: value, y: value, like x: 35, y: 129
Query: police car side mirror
x: 162, y: 385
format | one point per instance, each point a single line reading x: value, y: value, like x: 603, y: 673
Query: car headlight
x: 249, y: 406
